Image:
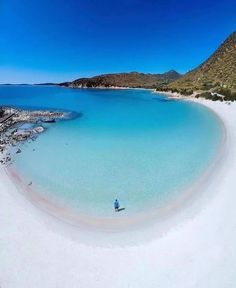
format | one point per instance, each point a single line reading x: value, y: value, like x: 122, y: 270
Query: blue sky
x: 52, y: 40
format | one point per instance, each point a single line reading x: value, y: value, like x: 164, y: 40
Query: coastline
x: 200, y: 235
x: 107, y: 87
x: 124, y: 222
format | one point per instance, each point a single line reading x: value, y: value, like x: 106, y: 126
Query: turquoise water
x: 130, y: 144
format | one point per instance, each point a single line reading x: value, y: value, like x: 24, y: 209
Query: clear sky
x: 58, y: 40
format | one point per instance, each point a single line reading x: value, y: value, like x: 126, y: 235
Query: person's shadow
x: 120, y: 209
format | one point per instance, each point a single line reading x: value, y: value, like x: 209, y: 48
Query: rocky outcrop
x: 12, y: 128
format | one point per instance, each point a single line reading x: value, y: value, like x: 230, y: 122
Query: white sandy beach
x: 197, y: 248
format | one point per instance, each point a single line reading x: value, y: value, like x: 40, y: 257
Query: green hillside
x: 216, y: 74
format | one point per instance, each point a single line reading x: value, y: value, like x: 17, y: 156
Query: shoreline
x: 199, y: 239
x: 124, y: 222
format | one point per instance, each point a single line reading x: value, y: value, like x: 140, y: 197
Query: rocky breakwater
x: 18, y: 126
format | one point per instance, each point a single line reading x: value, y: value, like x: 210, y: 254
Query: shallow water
x: 130, y: 144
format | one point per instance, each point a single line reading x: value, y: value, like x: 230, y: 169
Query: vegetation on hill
x: 214, y: 79
x: 132, y: 79
x: 217, y: 74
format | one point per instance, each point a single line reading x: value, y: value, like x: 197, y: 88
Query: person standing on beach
x: 116, y: 205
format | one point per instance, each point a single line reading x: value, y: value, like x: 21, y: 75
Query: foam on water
x: 130, y: 144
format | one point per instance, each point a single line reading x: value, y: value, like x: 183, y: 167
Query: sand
x: 196, y: 248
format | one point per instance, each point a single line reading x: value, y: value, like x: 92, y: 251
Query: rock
x: 38, y: 129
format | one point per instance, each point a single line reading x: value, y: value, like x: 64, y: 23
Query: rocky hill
x: 217, y: 73
x: 132, y: 79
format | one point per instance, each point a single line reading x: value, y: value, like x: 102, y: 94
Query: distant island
x: 128, y: 80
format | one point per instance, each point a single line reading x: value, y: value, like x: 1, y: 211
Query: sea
x: 129, y: 144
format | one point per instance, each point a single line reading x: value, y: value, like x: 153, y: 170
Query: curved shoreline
x: 125, y: 223
x: 199, y: 241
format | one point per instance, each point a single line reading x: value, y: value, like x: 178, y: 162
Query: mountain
x: 217, y: 73
x: 132, y: 79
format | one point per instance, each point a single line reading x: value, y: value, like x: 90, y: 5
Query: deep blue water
x: 130, y: 144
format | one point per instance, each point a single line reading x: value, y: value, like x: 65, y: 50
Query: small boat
x: 49, y: 120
